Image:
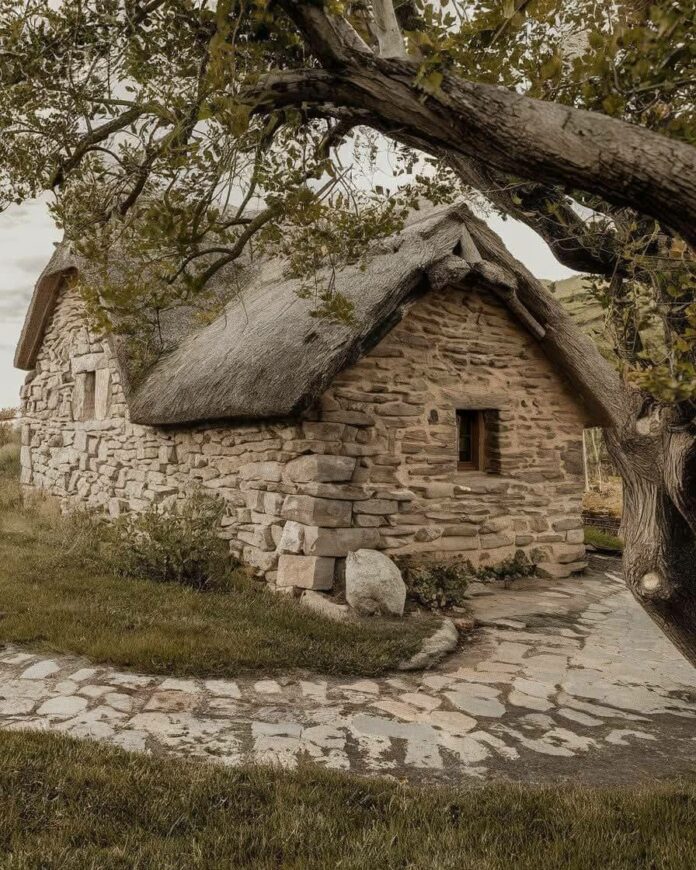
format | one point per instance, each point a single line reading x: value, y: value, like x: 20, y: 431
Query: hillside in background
x: 582, y: 307
x: 591, y: 318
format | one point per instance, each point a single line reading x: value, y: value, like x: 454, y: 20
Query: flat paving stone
x: 40, y: 670
x: 562, y: 682
x: 63, y: 706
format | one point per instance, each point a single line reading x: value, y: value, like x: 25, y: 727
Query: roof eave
x: 62, y: 265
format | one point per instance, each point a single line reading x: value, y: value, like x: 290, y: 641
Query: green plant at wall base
x: 180, y: 545
x: 438, y: 585
x: 441, y: 585
x: 514, y: 568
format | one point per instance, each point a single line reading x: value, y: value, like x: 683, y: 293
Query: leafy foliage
x: 137, y: 116
x: 180, y: 545
x: 442, y: 585
x: 438, y: 585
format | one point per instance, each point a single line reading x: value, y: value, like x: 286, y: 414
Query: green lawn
x: 603, y: 540
x: 57, y: 594
x: 66, y: 805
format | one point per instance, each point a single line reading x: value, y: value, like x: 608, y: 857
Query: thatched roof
x: 43, y: 301
x: 266, y: 356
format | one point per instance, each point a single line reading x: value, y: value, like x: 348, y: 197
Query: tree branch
x: 332, y: 39
x: 331, y: 138
x: 87, y: 142
x: 548, y: 212
x: 387, y: 30
x: 543, y: 141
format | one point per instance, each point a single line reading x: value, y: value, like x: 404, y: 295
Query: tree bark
x: 659, y: 561
x: 541, y: 141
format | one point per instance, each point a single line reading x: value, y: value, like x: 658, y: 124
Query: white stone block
x: 305, y: 572
x: 320, y: 468
x: 292, y: 538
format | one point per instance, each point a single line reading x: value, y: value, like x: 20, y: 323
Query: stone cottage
x: 431, y: 426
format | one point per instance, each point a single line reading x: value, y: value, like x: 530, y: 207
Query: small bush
x: 9, y: 433
x: 438, y: 585
x: 514, y: 568
x: 441, y: 585
x: 175, y: 546
x: 10, y: 490
x: 9, y: 459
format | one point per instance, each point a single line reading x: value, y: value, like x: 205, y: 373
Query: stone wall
x: 373, y: 465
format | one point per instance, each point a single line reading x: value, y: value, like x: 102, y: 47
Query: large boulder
x: 374, y: 584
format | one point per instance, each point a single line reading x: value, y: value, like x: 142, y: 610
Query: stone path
x: 566, y: 680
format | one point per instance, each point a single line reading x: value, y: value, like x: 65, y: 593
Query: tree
x: 149, y: 118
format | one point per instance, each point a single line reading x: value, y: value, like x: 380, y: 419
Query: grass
x: 608, y: 500
x: 603, y: 540
x: 69, y: 805
x: 58, y: 595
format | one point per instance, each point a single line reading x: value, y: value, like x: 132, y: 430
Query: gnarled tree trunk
x: 657, y: 462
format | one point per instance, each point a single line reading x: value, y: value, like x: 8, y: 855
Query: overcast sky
x: 26, y: 243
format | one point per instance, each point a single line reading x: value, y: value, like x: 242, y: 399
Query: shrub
x: 10, y: 491
x: 513, y: 568
x: 9, y: 434
x: 174, y: 546
x: 9, y: 459
x: 438, y: 585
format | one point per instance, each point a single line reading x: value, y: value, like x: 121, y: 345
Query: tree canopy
x: 191, y: 132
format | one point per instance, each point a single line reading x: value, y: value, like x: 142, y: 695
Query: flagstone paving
x: 564, y: 680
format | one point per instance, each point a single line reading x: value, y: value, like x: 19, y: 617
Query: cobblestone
x: 565, y: 680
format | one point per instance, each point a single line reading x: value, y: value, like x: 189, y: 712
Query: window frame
x: 89, y: 395
x: 478, y: 439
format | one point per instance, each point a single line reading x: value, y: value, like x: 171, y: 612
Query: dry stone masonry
x: 373, y: 465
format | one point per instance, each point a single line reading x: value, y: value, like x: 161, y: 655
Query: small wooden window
x: 89, y: 395
x: 469, y: 440
x: 477, y: 440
